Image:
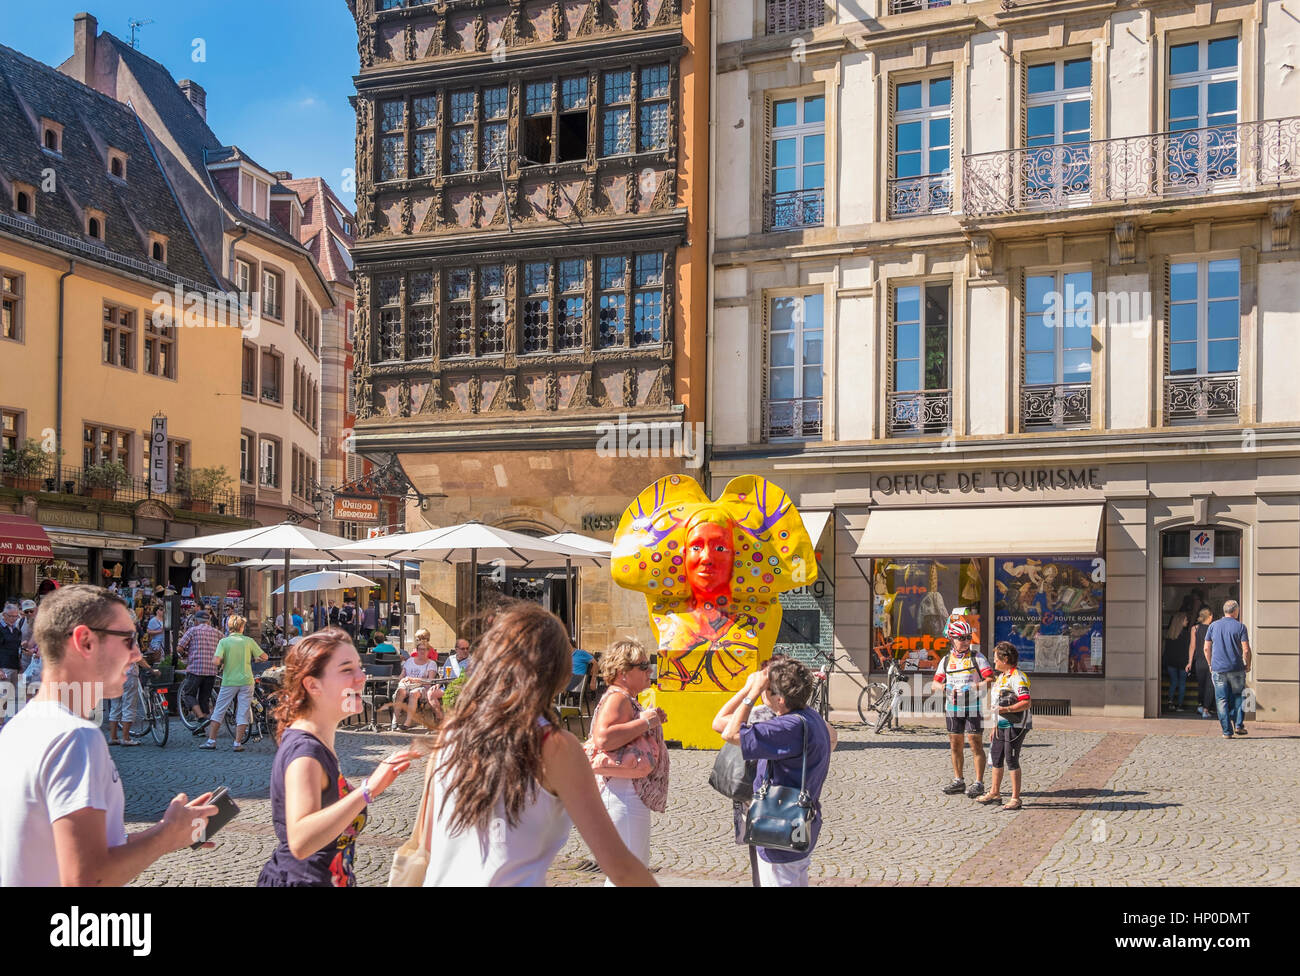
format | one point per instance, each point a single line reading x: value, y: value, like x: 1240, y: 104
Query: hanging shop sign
x: 1201, y: 546
x: 1053, y: 610
x: 158, y: 456
x: 350, y: 508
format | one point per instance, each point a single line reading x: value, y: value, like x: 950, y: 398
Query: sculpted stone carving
x: 629, y: 387
x: 475, y: 394
x: 404, y: 398
x: 552, y: 392
x: 364, y: 395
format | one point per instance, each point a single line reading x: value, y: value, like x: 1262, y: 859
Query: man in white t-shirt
x: 61, y: 801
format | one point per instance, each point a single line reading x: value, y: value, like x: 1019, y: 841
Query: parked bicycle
x: 881, y: 702
x: 188, y: 719
x: 867, y: 694
x: 261, y: 723
x: 152, y: 719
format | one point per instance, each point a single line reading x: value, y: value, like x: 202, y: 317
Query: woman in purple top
x: 777, y: 744
x: 317, y: 814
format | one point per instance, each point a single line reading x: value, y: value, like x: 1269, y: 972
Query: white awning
x: 1032, y: 530
x: 815, y: 524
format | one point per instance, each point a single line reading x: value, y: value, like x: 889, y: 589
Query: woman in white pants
x: 620, y: 727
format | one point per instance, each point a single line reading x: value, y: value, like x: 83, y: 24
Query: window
x: 460, y: 144
x: 653, y: 121
x: 1052, y: 610
x: 496, y: 107
x: 247, y: 454
x: 1058, y: 349
x: 1204, y: 317
x: 648, y: 300
x: 248, y: 373
x: 392, y: 139
x: 24, y: 199
x: 616, y: 113
x: 119, y: 337
x: 352, y: 324
x: 784, y: 16
x: 179, y: 452
x: 158, y: 251
x: 117, y: 164
x: 798, y: 176
x: 303, y: 484
x: 243, y: 279
x: 254, y: 195
x: 11, y: 431
x: 388, y: 319
x: 460, y: 294
x: 613, y: 302
x: 921, y: 131
x: 52, y: 136
x: 1203, y: 95
x: 271, y: 377
x: 420, y: 298
x: 483, y: 111
x: 272, y: 291
x: 424, y: 159
x: 160, y: 346
x: 95, y: 225
x: 1058, y: 128
x: 491, y: 309
x: 919, y: 342
x: 11, y: 306
x: 268, y: 468
x: 555, y: 130
x: 537, y: 307
x: 104, y: 445
x: 571, y: 303
x: 794, y: 373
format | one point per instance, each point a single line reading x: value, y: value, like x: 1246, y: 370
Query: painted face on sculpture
x: 710, y: 553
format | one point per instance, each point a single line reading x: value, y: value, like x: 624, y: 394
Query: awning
x: 94, y: 539
x: 815, y: 524
x: 23, y: 541
x: 1032, y: 530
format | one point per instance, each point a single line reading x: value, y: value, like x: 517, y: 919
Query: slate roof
x: 316, y: 197
x: 92, y: 123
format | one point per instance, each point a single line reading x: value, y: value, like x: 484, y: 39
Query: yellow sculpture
x: 711, y: 572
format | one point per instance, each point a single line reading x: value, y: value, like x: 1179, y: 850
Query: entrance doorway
x: 547, y: 587
x: 1186, y: 586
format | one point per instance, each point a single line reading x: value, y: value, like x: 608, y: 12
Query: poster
x: 1052, y: 609
x: 912, y: 602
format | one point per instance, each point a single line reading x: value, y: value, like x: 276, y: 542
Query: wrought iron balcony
x: 1056, y: 405
x: 794, y: 419
x: 917, y: 412
x: 915, y: 196
x: 786, y: 16
x: 907, y: 6
x: 271, y: 393
x: 1221, y: 158
x: 1192, y: 398
x: 797, y: 208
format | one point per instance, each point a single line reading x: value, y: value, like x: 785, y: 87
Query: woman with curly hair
x: 316, y: 812
x: 508, y: 782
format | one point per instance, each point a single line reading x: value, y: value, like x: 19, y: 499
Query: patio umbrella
x: 596, y: 547
x: 328, y: 580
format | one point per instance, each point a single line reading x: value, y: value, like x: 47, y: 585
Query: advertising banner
x: 1053, y: 610
x: 912, y: 602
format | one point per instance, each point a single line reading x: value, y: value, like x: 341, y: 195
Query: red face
x: 710, y: 553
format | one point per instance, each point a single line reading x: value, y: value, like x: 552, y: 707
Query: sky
x: 277, y: 73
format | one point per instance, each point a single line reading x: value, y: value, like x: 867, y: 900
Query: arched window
x: 24, y: 203
x: 93, y: 228
x: 157, y: 251
x: 117, y: 168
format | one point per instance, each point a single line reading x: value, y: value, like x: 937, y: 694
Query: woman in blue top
x: 777, y: 744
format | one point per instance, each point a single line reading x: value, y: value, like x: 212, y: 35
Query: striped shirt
x: 200, y: 645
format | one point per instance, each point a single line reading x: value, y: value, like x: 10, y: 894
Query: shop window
x: 1052, y: 608
x: 912, y: 602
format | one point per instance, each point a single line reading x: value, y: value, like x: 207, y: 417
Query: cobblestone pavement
x: 1101, y: 807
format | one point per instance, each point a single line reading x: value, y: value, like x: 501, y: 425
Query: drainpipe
x: 710, y: 209
x: 58, y: 386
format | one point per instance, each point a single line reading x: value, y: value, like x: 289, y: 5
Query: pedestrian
x: 1176, y: 635
x: 1227, y: 648
x: 369, y: 620
x: 583, y: 670
x: 296, y: 618
x: 11, y: 644
x: 1011, y: 708
x: 621, y: 727
x: 235, y: 656
x: 332, y: 615
x: 157, y: 634
x: 61, y: 799
x: 199, y: 646
x: 778, y: 746
x: 506, y: 782
x: 1198, y: 665
x: 348, y: 619
x: 316, y: 813
x: 28, y: 609
x: 962, y: 675
x: 319, y: 616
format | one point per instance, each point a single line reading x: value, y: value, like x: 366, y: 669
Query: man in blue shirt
x: 581, y: 662
x: 1227, y: 648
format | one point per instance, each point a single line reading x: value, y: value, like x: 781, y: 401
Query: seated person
x: 294, y: 636
x: 418, y: 672
x: 582, y: 668
x: 382, y: 646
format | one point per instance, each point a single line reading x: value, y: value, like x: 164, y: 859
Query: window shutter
x: 889, y: 164
x: 1018, y: 393
x: 766, y: 154
x: 890, y: 312
x: 1164, y: 341
x: 1013, y: 191
x: 766, y: 319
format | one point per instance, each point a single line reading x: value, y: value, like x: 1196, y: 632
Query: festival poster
x: 1052, y: 609
x: 912, y: 602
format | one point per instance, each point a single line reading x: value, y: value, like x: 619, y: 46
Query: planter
x: 103, y: 494
x: 201, y: 505
x: 24, y: 482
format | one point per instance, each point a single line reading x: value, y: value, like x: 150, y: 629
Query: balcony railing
x: 271, y: 393
x: 54, y: 479
x: 920, y: 412
x: 1191, y: 398
x: 797, y: 208
x: 248, y: 387
x: 1223, y: 158
x: 907, y: 6
x: 915, y: 196
x: 786, y: 16
x: 794, y: 419
x: 1058, y: 405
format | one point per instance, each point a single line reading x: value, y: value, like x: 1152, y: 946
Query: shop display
x: 912, y: 602
x: 1052, y: 609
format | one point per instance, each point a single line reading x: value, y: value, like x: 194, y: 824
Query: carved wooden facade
x: 518, y: 209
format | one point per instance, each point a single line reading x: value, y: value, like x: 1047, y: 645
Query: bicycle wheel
x: 231, y: 727
x: 159, y: 726
x: 870, y: 701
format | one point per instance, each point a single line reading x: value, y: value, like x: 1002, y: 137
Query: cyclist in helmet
x: 963, y: 673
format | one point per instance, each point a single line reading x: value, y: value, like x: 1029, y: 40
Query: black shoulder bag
x: 733, y: 775
x: 781, y: 817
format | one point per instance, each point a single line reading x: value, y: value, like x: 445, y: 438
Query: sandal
x: 990, y: 798
x: 1013, y: 804
x: 114, y: 742
x: 127, y: 742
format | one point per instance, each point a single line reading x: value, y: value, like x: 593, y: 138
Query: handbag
x: 781, y: 817
x: 636, y: 760
x: 411, y: 862
x: 733, y: 775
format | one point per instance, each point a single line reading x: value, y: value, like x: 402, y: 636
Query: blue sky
x: 278, y: 73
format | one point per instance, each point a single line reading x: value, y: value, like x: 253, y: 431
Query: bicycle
x: 260, y: 721
x: 884, y: 700
x: 153, y: 711
x: 868, y: 695
x: 189, y: 720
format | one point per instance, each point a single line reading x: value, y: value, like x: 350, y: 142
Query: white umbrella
x: 331, y: 580
x: 335, y: 564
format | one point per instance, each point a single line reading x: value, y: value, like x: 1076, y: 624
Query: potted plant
x: 200, y: 485
x: 25, y: 464
x: 452, y: 692
x: 102, y: 480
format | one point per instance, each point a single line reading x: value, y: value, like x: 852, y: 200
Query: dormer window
x: 158, y: 247
x: 52, y: 136
x: 117, y: 164
x: 24, y: 199
x: 95, y: 225
x: 254, y: 195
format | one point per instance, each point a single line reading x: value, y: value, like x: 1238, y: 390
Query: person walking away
x: 369, y: 620
x: 1010, y: 708
x: 348, y: 619
x: 1176, y: 635
x: 1227, y: 647
x: 961, y: 676
x: 332, y: 615
x: 618, y: 722
x: 198, y: 645
x: 778, y: 746
x: 61, y: 799
x: 235, y: 656
x: 1198, y: 665
x: 316, y: 812
x: 505, y: 781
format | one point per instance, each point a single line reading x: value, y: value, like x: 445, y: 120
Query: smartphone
x: 227, y: 810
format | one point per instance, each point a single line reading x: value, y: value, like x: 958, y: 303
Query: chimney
x: 84, y: 31
x: 283, y: 175
x: 193, y: 91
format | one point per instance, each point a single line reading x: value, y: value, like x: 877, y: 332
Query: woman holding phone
x: 317, y: 814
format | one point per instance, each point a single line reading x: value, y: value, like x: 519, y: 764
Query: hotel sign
x: 158, y: 456
x: 349, y: 508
